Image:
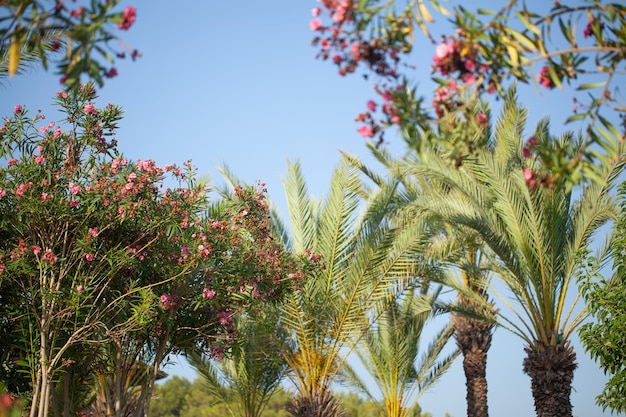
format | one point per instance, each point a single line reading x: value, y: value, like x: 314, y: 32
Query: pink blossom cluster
x: 167, y: 301
x: 544, y: 78
x: 128, y: 18
x: 588, y: 31
x: 374, y: 125
x: 348, y: 51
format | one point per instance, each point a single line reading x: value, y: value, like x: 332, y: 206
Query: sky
x: 238, y: 83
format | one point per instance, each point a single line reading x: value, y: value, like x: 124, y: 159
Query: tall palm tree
x: 365, y: 261
x: 463, y: 250
x: 541, y: 236
x: 390, y: 352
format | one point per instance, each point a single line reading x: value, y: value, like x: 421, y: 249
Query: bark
x: 473, y: 337
x: 551, y: 371
x: 315, y: 403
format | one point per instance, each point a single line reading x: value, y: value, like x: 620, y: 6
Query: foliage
x: 177, y: 397
x: 606, y: 300
x: 540, y: 235
x: 78, y: 37
x: 485, y: 51
x: 247, y: 377
x: 365, y: 262
x: 390, y: 352
x: 99, y: 259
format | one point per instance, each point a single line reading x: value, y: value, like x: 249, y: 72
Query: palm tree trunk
x: 551, y: 371
x: 315, y: 403
x: 473, y: 337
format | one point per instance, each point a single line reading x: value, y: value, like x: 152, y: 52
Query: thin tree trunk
x: 551, y: 371
x: 473, y: 337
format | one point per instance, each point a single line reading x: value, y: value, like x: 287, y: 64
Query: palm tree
x: 390, y: 353
x: 365, y: 261
x: 541, y: 236
x: 461, y: 249
x: 247, y: 378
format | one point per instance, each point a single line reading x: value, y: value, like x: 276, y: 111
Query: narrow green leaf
x: 524, y: 19
x: 566, y: 32
x: 440, y: 8
x: 589, y: 86
x: 522, y: 39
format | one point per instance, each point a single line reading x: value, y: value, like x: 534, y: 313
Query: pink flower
x: 20, y: 189
x: 544, y: 78
x: 50, y: 257
x: 17, y: 109
x: 36, y: 249
x: 131, y: 176
x: 93, y: 231
x: 339, y: 15
x: 40, y: 159
x: 57, y: 132
x: 443, y: 50
x: 44, y: 196
x: 1, y: 268
x: 167, y: 301
x: 469, y: 65
x: 90, y: 109
x: 79, y: 289
x: 366, y: 131
x: 12, y: 161
x: 128, y: 18
x: 111, y: 73
x: 77, y: 12
x: 74, y: 189
x: 89, y: 257
x: 316, y: 11
x: 482, y: 120
x: 2, y: 192
x: 469, y: 79
x: 529, y: 177
x: 316, y: 24
x: 356, y: 50
x: 337, y: 59
x: 371, y: 105
x: 208, y: 294
x: 530, y: 144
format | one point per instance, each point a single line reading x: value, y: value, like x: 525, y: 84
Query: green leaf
x: 524, y: 19
x: 566, y: 30
x: 589, y: 86
x: 440, y: 8
x: 522, y: 39
x: 576, y: 117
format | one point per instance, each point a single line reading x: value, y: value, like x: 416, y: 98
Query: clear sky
x: 238, y: 82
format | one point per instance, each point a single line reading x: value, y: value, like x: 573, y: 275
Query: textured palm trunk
x: 551, y: 371
x: 473, y: 337
x: 315, y: 403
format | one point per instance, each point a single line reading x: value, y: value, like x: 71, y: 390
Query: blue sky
x: 238, y: 82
